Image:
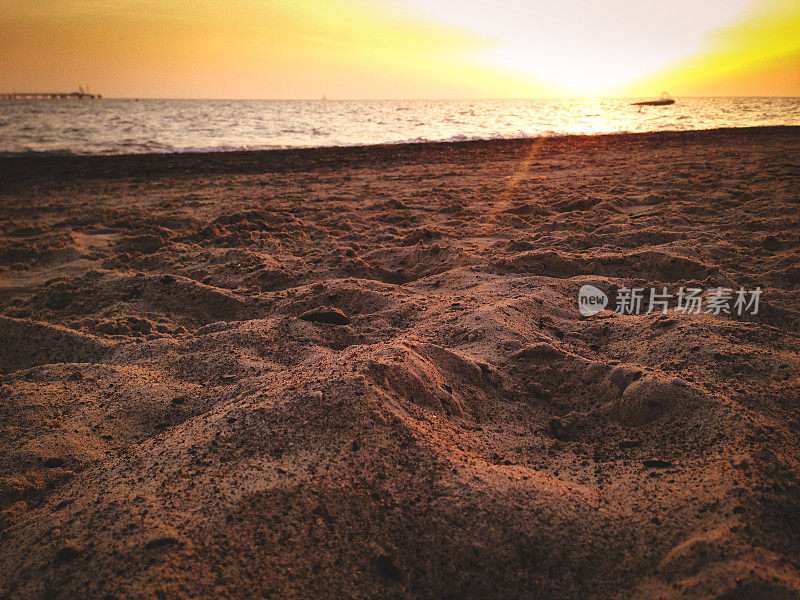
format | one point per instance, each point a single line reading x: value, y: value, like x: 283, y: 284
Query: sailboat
x: 663, y: 101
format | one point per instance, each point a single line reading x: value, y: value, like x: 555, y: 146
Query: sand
x: 362, y: 372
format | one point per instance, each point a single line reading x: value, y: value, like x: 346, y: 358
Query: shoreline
x: 243, y: 161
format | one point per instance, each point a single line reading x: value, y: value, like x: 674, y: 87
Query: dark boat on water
x: 663, y: 101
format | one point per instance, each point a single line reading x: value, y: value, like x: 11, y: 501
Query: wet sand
x: 362, y: 372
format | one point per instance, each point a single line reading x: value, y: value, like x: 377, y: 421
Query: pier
x: 80, y: 95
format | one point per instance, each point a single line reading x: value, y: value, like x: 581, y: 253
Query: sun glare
x: 586, y: 47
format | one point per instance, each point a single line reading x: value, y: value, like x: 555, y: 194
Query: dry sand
x: 361, y: 373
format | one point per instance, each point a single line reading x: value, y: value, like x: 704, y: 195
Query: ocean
x: 111, y: 126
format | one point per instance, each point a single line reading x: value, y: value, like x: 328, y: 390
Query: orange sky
x: 401, y: 48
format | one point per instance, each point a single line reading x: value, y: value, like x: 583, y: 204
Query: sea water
x: 112, y: 126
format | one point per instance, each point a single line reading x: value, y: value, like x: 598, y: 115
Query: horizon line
x: 414, y: 99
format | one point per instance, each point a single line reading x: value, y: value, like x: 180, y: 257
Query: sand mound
x: 27, y: 343
x: 649, y: 398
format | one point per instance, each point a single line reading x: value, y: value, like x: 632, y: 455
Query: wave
x: 165, y: 127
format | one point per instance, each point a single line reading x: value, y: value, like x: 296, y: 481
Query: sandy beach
x: 362, y: 372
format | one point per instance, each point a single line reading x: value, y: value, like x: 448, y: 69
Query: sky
x: 401, y: 48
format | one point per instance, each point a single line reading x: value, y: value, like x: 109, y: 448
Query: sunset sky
x: 401, y: 48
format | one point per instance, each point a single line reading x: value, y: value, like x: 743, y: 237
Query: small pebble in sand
x: 161, y: 542
x: 328, y: 315
x: 67, y: 552
x: 54, y: 463
x: 771, y: 243
x: 630, y: 443
x: 656, y: 463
